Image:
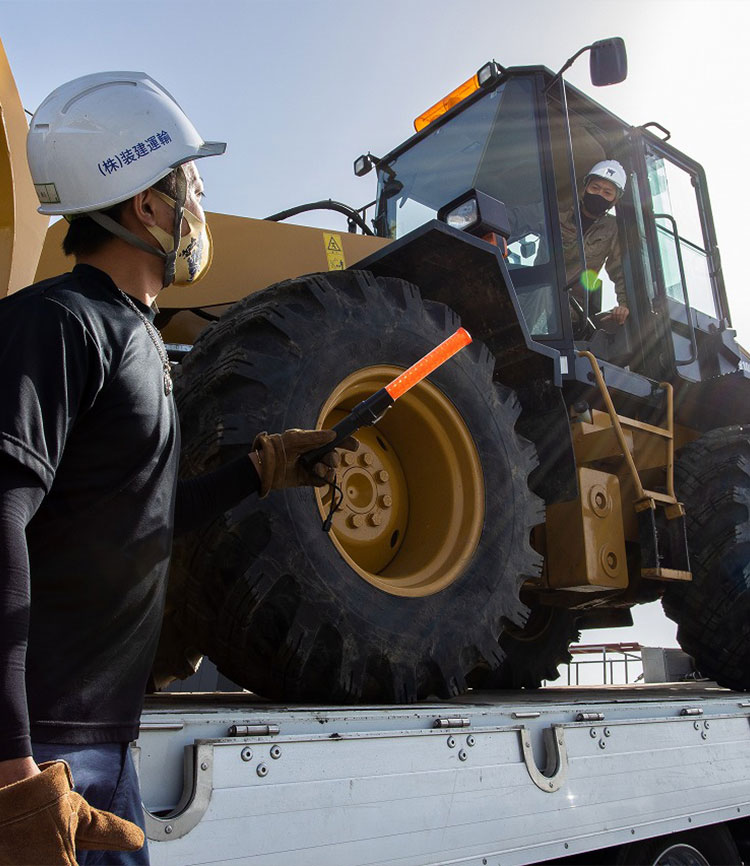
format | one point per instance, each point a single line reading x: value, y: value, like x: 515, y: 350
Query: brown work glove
x: 279, y: 464
x: 43, y: 820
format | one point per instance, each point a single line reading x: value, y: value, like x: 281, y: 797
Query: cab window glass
x: 492, y: 146
x: 437, y: 169
x: 673, y: 193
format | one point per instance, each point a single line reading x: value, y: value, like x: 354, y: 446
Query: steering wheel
x: 585, y: 325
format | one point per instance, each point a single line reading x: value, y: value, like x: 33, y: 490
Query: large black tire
x: 533, y: 652
x: 712, y: 479
x: 263, y: 591
x: 707, y: 846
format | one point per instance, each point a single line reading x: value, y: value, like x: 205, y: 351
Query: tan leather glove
x: 279, y: 455
x: 43, y: 820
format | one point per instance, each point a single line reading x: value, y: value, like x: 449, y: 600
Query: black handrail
x: 352, y: 215
x: 688, y: 314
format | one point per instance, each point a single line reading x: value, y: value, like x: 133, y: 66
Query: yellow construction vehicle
x: 554, y: 474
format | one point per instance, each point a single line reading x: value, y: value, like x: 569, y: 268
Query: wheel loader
x: 554, y: 474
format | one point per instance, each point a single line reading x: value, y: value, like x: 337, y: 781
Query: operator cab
x: 509, y: 139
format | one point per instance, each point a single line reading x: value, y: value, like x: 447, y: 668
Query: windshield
x: 491, y: 146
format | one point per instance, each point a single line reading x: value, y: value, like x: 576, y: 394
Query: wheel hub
x: 371, y: 520
x: 412, y: 505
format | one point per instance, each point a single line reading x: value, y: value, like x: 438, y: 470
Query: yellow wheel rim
x: 413, y: 506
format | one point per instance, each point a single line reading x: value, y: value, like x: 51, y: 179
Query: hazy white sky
x: 300, y: 87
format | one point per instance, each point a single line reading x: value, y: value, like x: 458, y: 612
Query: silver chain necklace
x: 156, y: 340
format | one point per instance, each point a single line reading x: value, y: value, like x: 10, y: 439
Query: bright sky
x: 299, y: 88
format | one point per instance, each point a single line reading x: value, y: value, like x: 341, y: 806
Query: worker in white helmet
x: 603, y: 187
x: 89, y: 449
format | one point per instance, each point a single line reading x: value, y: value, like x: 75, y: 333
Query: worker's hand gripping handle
x: 365, y: 413
x: 372, y: 409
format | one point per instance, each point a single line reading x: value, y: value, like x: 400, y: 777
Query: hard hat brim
x: 211, y: 148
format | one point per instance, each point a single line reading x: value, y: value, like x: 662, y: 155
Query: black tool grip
x: 367, y: 412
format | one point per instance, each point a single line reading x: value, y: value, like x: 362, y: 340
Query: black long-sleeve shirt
x: 89, y: 498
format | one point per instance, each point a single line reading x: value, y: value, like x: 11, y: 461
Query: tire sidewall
x: 401, y: 337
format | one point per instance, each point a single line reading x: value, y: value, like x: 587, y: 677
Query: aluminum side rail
x: 484, y: 780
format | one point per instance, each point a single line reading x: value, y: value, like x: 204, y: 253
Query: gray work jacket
x: 601, y: 247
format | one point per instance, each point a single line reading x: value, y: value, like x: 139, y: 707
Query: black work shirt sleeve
x: 204, y: 497
x: 21, y: 493
x: 52, y: 371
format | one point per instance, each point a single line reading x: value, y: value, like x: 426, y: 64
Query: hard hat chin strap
x: 169, y: 257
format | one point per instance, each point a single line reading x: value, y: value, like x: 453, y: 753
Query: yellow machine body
x: 625, y: 466
x: 22, y: 229
x: 249, y: 255
x: 586, y: 538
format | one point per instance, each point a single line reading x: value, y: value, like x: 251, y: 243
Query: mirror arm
x: 568, y: 63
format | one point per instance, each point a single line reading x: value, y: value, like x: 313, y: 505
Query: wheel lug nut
x: 356, y: 520
x: 367, y: 459
x: 386, y: 500
x: 348, y: 458
x: 383, y: 476
x: 375, y: 519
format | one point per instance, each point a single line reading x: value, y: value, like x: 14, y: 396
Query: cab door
x: 689, y: 293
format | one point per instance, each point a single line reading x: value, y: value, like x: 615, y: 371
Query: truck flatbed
x: 489, y: 778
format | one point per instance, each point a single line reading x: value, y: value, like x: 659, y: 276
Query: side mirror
x: 608, y: 62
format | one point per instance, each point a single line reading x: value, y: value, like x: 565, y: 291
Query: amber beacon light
x: 372, y: 409
x: 486, y: 75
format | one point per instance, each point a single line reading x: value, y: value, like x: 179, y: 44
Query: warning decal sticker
x: 334, y: 252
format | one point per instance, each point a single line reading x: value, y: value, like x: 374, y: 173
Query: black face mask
x: 596, y: 205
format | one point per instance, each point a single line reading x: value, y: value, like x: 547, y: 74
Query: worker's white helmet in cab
x: 102, y: 138
x: 611, y: 170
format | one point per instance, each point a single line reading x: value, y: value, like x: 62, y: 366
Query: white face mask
x: 194, y: 252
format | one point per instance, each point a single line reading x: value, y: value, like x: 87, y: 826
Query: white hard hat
x: 102, y: 138
x: 611, y: 170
